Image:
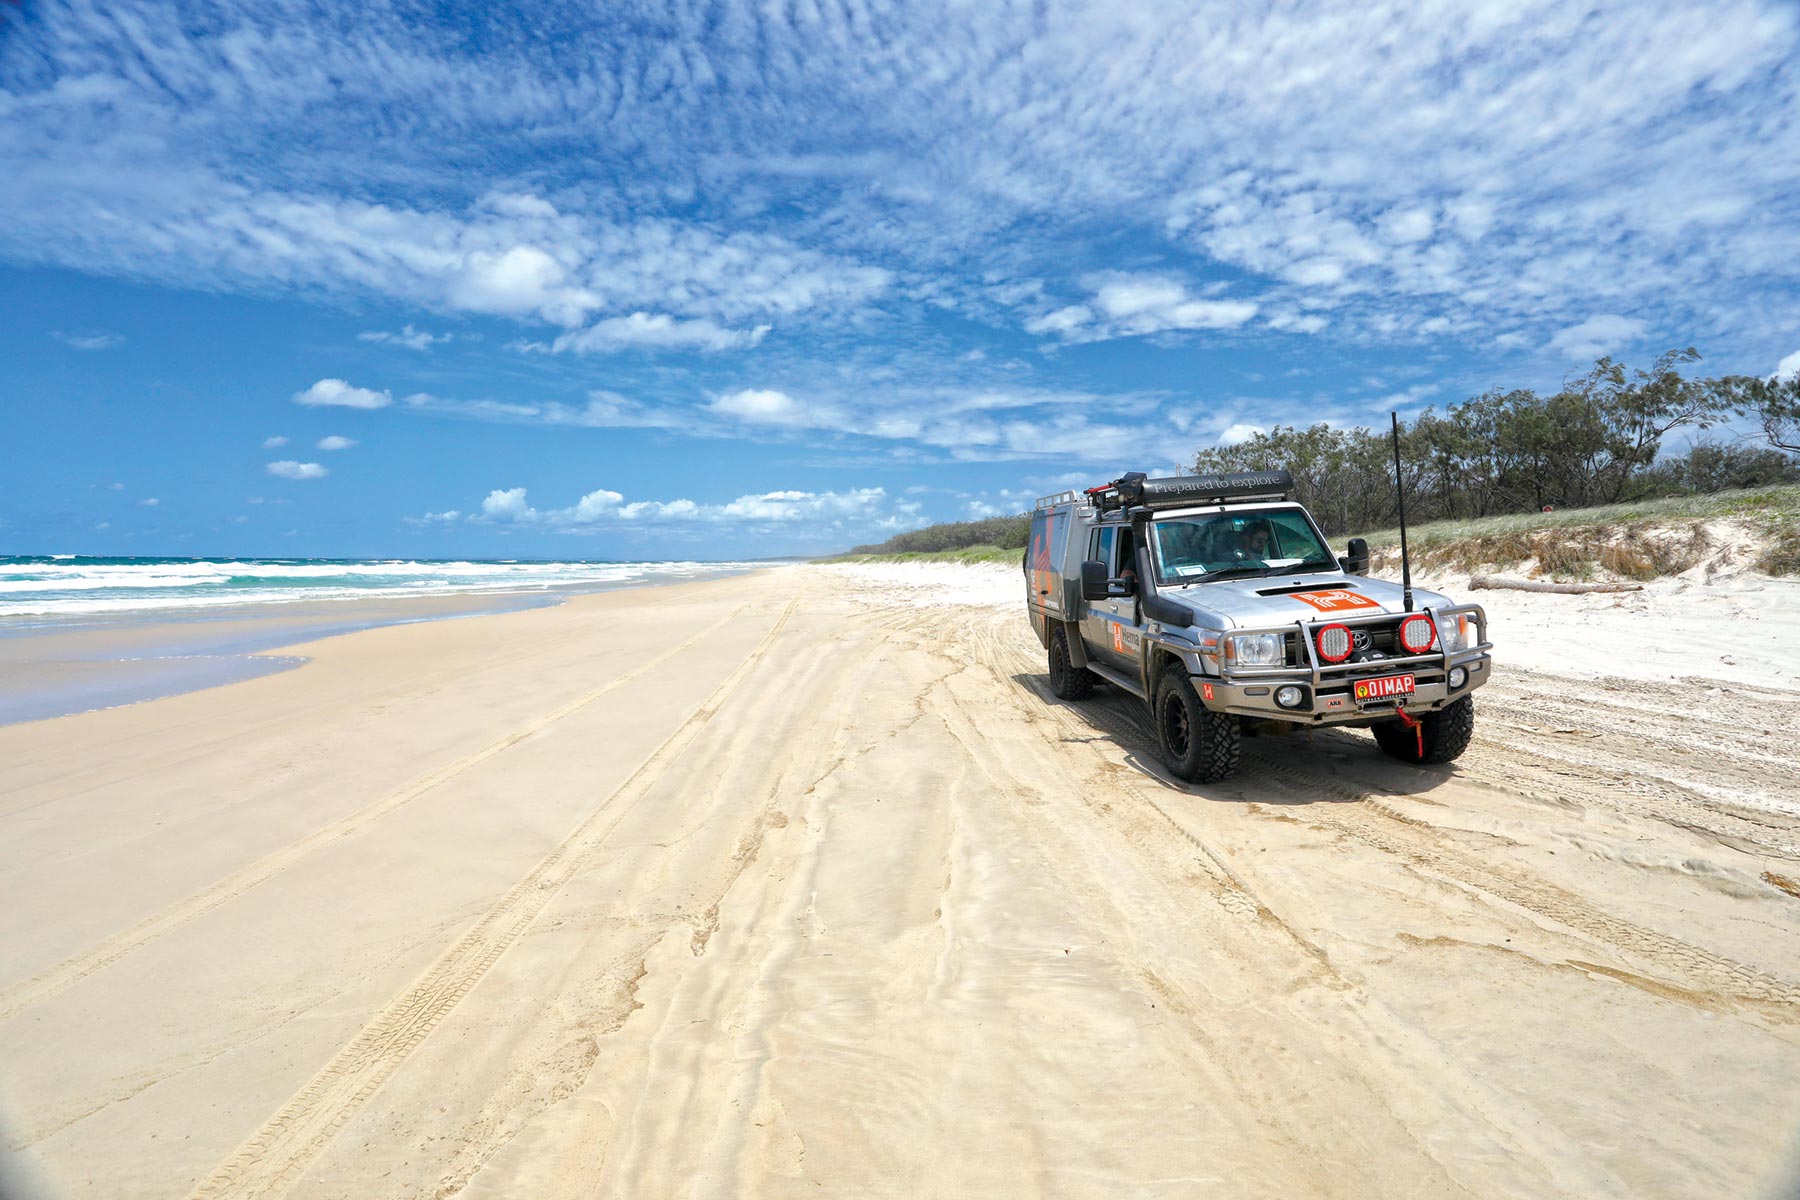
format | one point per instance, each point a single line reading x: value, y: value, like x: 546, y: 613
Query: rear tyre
x: 1067, y: 680
x: 1447, y: 733
x: 1198, y: 745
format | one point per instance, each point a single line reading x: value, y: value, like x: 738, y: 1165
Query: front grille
x: 1383, y: 636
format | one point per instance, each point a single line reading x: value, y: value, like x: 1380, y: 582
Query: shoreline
x: 57, y: 667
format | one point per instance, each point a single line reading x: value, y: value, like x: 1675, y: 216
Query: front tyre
x: 1443, y: 735
x: 1198, y: 745
x: 1067, y: 680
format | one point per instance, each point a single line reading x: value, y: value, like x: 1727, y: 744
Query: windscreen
x: 1190, y: 549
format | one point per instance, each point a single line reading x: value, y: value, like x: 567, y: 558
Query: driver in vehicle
x: 1254, y: 542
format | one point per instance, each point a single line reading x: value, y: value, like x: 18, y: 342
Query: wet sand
x: 789, y: 884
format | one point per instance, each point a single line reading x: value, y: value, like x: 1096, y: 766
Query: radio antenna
x: 1400, y: 492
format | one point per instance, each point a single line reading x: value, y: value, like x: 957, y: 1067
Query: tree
x: 1596, y: 441
x: 1774, y: 403
x: 1716, y: 467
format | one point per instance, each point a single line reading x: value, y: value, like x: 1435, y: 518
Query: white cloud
x: 1131, y: 305
x: 508, y: 505
x: 1513, y: 167
x: 1788, y: 367
x: 103, y: 526
x: 657, y: 330
x: 411, y: 338
x: 861, y: 509
x: 1290, y: 321
x: 960, y: 422
x: 335, y: 392
x: 1062, y: 320
x: 89, y: 341
x: 1241, y: 431
x: 1149, y: 304
x: 763, y: 406
x: 149, y: 502
x: 275, y: 442
x: 1597, y: 336
x: 288, y: 469
x: 335, y: 442
x: 1408, y: 225
x: 519, y: 281
x: 603, y: 410
x: 116, y: 487
x: 1403, y: 401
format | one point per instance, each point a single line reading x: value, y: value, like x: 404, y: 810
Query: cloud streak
x: 1520, y: 167
x: 821, y: 515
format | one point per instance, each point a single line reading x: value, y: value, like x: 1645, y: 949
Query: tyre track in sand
x: 1360, y: 813
x: 1521, y: 768
x: 1374, y: 823
x: 103, y: 954
x: 1262, y: 941
x: 272, y: 1158
x: 724, y: 783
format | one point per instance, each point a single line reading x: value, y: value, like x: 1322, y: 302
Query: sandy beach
x: 800, y: 883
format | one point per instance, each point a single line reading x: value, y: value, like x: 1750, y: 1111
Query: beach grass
x: 1642, y: 540
x: 1009, y: 555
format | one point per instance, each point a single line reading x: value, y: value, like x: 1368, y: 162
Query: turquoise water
x: 65, y: 586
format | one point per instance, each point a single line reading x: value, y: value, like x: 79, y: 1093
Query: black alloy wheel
x: 1067, y: 680
x: 1198, y: 744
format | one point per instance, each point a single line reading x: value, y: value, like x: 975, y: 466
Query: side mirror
x: 1093, y: 580
x: 1356, y: 562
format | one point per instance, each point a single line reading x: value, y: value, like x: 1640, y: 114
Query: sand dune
x: 801, y: 884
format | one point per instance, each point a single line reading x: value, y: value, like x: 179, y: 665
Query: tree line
x: 1597, y: 440
x: 1009, y: 532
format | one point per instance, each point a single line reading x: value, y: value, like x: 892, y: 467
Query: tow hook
x: 1412, y: 723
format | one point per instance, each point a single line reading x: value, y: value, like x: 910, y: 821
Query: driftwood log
x: 1507, y: 582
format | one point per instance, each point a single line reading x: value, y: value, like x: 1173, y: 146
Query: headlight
x: 1256, y: 649
x: 1453, y: 631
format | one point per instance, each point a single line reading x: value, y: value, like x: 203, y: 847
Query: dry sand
x: 799, y: 884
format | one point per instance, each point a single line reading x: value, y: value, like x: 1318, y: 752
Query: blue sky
x: 556, y: 280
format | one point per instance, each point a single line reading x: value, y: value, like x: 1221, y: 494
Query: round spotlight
x: 1335, y: 643
x: 1458, y: 677
x: 1289, y: 696
x: 1417, y: 634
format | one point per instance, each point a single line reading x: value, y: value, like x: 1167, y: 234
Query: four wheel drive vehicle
x: 1215, y: 599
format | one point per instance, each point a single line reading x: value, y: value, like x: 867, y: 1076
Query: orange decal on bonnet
x: 1335, y: 600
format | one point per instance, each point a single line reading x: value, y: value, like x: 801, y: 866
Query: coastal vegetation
x: 1596, y: 441
x: 1516, y: 464
x: 1757, y: 527
x: 986, y: 538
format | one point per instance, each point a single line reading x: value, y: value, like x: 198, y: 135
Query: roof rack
x: 1056, y: 498
x: 1133, y: 490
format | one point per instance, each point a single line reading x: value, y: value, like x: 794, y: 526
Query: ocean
x: 74, y: 586
x: 79, y: 633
